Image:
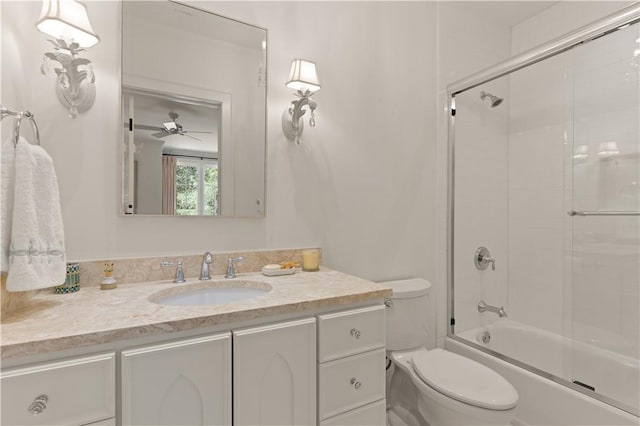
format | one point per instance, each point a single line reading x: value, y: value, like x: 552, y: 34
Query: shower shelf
x: 602, y: 213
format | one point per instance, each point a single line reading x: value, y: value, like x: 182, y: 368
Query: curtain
x: 169, y: 165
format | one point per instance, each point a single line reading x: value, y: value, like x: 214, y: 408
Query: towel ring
x: 4, y: 112
x: 18, y: 123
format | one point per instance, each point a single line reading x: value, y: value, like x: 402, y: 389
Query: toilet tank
x: 408, y: 316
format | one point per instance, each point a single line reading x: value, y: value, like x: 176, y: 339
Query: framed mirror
x: 193, y: 112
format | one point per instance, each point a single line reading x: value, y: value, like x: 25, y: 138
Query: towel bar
x: 602, y: 213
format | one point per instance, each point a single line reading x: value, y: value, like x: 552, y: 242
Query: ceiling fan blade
x: 192, y: 137
x: 161, y: 134
x: 195, y: 131
x: 145, y: 127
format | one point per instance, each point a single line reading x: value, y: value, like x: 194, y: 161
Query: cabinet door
x: 274, y: 374
x: 71, y: 392
x: 180, y: 383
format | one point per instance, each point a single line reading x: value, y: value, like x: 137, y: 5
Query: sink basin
x: 210, y: 293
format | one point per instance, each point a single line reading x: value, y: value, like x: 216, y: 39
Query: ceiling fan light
x: 171, y: 126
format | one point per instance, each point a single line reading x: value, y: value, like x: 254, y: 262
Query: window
x: 197, y: 187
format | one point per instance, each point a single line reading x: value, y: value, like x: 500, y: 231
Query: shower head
x: 495, y: 101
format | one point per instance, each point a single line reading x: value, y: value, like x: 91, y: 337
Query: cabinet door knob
x: 355, y: 333
x: 38, y: 405
x: 356, y: 384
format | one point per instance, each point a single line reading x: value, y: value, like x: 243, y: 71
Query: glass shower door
x: 605, y: 227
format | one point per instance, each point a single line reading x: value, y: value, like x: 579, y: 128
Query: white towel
x: 36, y: 249
x: 8, y: 158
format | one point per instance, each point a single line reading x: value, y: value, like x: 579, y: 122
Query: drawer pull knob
x: 356, y: 384
x: 38, y: 405
x: 355, y: 333
x: 388, y: 303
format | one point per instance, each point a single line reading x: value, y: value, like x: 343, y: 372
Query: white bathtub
x: 543, y: 401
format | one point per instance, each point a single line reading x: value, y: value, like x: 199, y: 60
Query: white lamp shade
x: 67, y: 20
x: 303, y: 76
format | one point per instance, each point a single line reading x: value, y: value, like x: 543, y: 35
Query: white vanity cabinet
x: 351, y: 367
x: 274, y: 374
x: 76, y: 391
x: 187, y: 382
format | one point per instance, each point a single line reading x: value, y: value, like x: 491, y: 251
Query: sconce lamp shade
x: 303, y: 76
x: 67, y: 20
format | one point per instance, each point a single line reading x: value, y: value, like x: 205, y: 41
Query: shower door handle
x: 602, y: 213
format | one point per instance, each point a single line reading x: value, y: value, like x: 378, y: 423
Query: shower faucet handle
x: 482, y: 259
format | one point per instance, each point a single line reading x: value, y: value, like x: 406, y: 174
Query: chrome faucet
x: 207, y: 258
x: 231, y: 273
x: 179, y: 278
x: 482, y: 307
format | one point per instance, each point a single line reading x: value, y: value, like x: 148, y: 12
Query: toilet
x: 436, y: 387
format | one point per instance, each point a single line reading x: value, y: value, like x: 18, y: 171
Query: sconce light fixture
x: 68, y: 23
x: 304, y: 79
x: 608, y: 149
x: 580, y: 152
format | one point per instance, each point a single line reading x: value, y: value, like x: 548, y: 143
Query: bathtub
x: 542, y: 400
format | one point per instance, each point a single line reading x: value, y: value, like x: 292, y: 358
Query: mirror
x: 193, y: 112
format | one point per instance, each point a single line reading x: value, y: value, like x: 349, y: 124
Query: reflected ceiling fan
x: 170, y: 128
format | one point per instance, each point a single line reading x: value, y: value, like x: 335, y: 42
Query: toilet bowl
x: 449, y: 388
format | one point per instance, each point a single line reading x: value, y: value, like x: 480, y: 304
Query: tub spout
x: 482, y: 307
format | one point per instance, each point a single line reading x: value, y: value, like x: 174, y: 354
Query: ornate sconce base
x: 83, y: 100
x: 292, y: 131
x: 74, y: 76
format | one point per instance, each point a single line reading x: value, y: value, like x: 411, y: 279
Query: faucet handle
x: 179, y: 278
x: 482, y: 259
x: 231, y: 273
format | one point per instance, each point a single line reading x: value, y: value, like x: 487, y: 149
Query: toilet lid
x: 413, y: 287
x: 464, y: 379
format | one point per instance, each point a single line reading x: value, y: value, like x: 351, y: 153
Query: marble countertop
x: 52, y: 322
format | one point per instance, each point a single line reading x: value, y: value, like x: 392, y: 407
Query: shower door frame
x: 611, y: 23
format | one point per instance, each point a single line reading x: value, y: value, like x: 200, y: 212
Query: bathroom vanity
x: 309, y: 351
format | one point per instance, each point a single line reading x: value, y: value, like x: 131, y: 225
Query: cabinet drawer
x: 350, y: 332
x: 370, y: 415
x: 72, y: 392
x: 351, y: 382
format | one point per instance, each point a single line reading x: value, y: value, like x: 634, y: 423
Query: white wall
x: 362, y: 184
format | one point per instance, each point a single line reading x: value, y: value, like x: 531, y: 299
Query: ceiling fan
x: 170, y: 128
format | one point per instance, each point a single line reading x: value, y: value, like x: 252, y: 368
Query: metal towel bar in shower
x: 602, y: 213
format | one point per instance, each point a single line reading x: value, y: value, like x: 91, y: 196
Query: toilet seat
x: 463, y: 379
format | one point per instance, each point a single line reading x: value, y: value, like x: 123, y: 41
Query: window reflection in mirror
x: 194, y: 112
x: 175, y: 145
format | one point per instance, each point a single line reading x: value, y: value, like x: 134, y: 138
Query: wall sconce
x: 608, y: 149
x: 304, y: 79
x: 580, y: 152
x: 68, y: 23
